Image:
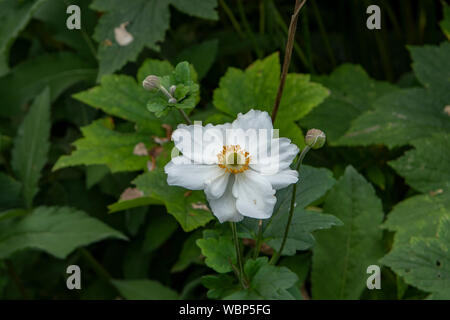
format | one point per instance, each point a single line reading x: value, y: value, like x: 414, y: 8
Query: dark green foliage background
x: 379, y: 188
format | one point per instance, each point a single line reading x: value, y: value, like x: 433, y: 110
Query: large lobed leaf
x: 147, y: 21
x: 31, y: 146
x: 102, y: 145
x: 352, y: 93
x: 425, y: 262
x: 409, y: 114
x: 256, y: 88
x: 427, y: 167
x: 350, y: 249
x: 417, y: 216
x: 55, y: 230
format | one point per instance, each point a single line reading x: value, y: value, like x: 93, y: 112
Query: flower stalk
x: 277, y: 254
x: 241, y: 274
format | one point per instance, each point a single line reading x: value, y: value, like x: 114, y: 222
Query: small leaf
x: 31, y: 146
x: 144, y: 289
x: 352, y: 93
x: 55, y: 230
x: 266, y: 281
x: 219, y: 251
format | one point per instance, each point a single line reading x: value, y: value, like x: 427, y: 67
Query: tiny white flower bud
x: 172, y: 100
x: 151, y: 82
x: 172, y: 89
x: 315, y: 138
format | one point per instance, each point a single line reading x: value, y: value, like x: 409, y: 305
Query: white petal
x: 182, y: 172
x: 253, y: 119
x: 216, y: 187
x: 279, y: 157
x: 224, y: 208
x: 254, y: 195
x: 201, y: 144
x: 282, y: 179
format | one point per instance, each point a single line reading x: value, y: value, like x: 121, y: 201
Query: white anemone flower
x: 239, y: 165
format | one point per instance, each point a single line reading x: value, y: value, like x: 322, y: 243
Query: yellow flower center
x: 233, y: 159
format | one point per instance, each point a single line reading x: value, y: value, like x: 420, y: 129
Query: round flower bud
x: 151, y: 82
x: 172, y: 100
x: 172, y: 89
x: 315, y: 138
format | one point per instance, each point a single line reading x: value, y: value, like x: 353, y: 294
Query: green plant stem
x: 258, y: 240
x: 324, y: 34
x: 238, y: 255
x: 98, y: 268
x: 232, y: 18
x: 277, y: 254
x: 287, y: 56
x: 248, y: 29
x: 185, y: 116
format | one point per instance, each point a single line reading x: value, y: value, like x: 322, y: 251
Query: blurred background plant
x: 47, y: 77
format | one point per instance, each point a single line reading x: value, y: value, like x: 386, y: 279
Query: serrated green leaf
x: 144, y: 289
x: 31, y: 146
x: 350, y: 249
x: 58, y: 71
x: 10, y: 192
x: 219, y: 251
x: 219, y: 286
x: 313, y: 184
x: 256, y: 87
x: 417, y: 216
x: 426, y: 168
x: 189, y: 208
x: 425, y: 262
x: 352, y: 93
x: 299, y: 264
x: 55, y: 230
x: 399, y: 118
x: 431, y: 64
x: 300, y: 232
x: 147, y: 21
x: 101, y: 145
x: 158, y: 68
x: 14, y: 16
x: 266, y: 281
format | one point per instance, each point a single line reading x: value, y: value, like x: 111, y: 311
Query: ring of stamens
x: 233, y: 159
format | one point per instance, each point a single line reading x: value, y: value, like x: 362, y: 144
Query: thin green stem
x: 277, y: 254
x: 258, y: 240
x: 248, y: 29
x: 98, y: 268
x: 238, y: 254
x: 185, y: 116
x: 287, y: 56
x: 323, y: 33
x: 232, y: 18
